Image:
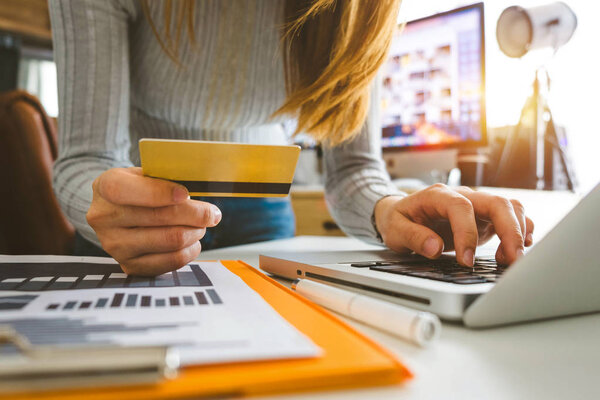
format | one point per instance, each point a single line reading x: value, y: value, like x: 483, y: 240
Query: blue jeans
x: 245, y: 220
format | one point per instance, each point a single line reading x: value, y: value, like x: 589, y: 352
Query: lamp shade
x: 520, y: 30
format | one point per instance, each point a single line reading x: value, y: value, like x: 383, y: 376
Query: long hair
x: 332, y: 50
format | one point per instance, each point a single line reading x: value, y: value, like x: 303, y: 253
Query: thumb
x: 406, y: 234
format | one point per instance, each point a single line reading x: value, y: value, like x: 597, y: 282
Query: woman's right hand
x: 150, y: 226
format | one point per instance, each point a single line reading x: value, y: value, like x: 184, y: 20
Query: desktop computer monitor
x: 432, y: 91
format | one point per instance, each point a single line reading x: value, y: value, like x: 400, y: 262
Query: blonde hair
x: 332, y: 50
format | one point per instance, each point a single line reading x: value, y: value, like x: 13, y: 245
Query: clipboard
x: 350, y: 360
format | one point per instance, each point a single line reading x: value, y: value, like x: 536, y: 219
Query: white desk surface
x: 554, y: 359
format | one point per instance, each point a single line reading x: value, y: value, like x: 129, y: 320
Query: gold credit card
x: 221, y: 169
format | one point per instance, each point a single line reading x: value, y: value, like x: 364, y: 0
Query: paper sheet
x: 208, y: 313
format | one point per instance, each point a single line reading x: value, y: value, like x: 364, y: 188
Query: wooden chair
x: 31, y: 221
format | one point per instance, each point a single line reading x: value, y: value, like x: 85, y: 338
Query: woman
x: 220, y: 70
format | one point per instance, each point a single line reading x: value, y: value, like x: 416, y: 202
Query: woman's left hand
x: 439, y: 219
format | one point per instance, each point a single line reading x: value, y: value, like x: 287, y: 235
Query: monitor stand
x: 427, y: 166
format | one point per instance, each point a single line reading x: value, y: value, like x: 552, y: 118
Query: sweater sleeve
x: 355, y: 178
x: 91, y: 54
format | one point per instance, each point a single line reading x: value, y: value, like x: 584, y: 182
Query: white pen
x: 419, y: 327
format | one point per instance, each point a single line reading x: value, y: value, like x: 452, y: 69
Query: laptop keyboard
x: 485, y: 270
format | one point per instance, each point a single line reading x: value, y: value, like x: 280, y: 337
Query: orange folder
x: 349, y: 360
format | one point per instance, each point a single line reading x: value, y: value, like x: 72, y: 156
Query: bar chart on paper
x: 34, y: 277
x: 137, y: 300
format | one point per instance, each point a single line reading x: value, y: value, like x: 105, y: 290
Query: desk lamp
x: 519, y: 31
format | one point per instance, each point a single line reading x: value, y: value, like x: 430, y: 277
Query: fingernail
x: 529, y: 238
x: 180, y: 194
x: 469, y: 257
x: 431, y: 247
x: 216, y: 214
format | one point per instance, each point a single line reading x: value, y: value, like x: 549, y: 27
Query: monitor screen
x: 433, y: 82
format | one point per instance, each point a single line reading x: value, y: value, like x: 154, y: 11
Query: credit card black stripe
x: 236, y: 187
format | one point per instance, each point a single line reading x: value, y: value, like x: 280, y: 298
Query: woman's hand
x: 440, y: 219
x: 150, y: 226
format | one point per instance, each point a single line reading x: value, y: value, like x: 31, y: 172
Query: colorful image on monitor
x: 432, y: 87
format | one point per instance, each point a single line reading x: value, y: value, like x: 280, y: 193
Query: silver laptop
x: 558, y: 276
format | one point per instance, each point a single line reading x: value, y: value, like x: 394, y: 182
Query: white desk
x: 557, y: 359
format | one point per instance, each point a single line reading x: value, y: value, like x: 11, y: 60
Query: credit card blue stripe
x: 236, y: 187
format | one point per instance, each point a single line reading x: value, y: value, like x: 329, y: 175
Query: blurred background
x: 574, y: 70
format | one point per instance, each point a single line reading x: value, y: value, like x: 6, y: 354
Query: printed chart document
x: 204, y: 310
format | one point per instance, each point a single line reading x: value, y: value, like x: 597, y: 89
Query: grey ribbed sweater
x: 116, y: 85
